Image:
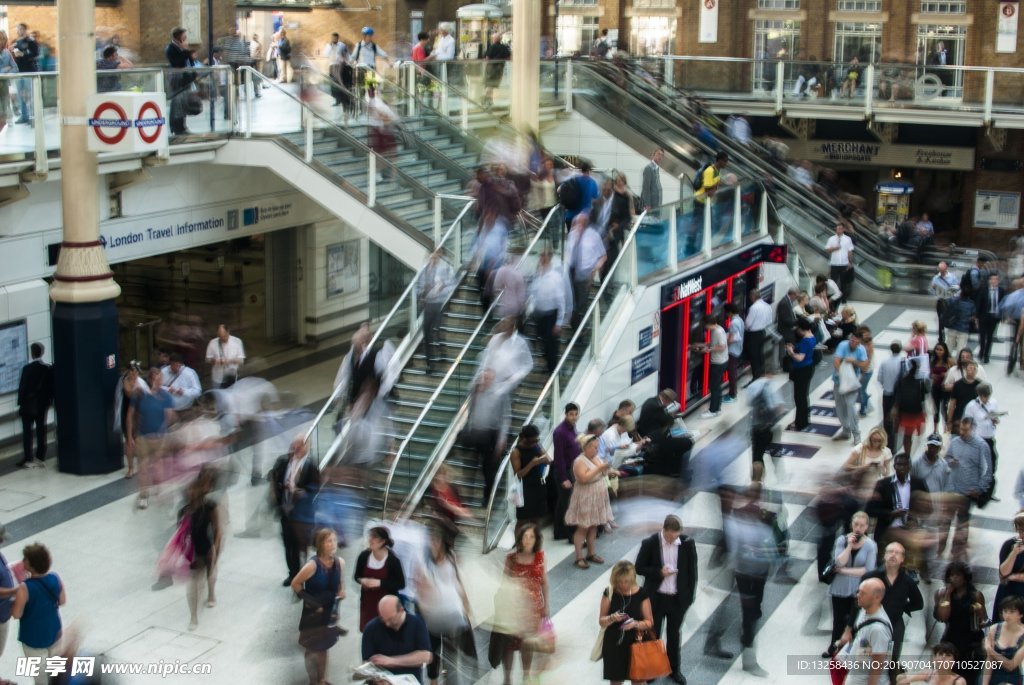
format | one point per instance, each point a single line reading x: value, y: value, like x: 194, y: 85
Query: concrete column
x: 526, y: 64
x: 84, y: 318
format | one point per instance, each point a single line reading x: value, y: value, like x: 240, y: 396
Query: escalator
x: 631, y: 104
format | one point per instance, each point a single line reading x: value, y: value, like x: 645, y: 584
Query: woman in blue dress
x: 319, y: 584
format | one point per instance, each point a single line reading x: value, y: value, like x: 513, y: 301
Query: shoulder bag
x: 648, y: 658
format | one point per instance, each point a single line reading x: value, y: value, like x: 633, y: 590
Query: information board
x: 996, y: 209
x: 642, y: 366
x: 13, y: 354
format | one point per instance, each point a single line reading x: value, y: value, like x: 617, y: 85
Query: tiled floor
x: 106, y: 554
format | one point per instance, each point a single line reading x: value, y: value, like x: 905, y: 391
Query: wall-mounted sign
x: 127, y: 122
x: 996, y: 209
x: 1006, y: 26
x: 708, y: 31
x: 693, y: 282
x: 880, y: 154
x: 642, y: 366
x: 13, y: 354
x: 645, y: 337
x: 343, y: 268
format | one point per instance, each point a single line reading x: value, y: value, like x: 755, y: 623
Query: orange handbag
x: 648, y: 658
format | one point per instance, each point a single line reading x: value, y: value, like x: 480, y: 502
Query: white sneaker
x: 710, y: 414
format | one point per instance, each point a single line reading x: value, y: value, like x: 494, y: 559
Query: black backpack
x: 950, y: 314
x: 570, y: 194
x: 698, y: 178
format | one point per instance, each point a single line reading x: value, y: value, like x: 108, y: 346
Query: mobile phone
x: 857, y: 537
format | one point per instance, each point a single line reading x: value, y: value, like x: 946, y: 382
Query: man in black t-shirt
x: 964, y: 390
x: 26, y: 56
x: 397, y: 640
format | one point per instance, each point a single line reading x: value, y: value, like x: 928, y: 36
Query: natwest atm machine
x: 685, y: 301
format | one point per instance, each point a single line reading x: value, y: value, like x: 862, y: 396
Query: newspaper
x: 368, y: 671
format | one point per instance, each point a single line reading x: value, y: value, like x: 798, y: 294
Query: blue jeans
x: 862, y: 396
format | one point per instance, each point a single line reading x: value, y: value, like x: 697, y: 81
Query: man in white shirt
x: 181, y: 382
x: 616, y: 438
x: 509, y: 283
x: 367, y: 52
x: 551, y: 295
x: 444, y: 50
x: 840, y: 249
x: 736, y: 330
x: 759, y: 317
x: 225, y: 354
x: 586, y: 255
x: 985, y: 412
x: 718, y: 349
x: 337, y: 55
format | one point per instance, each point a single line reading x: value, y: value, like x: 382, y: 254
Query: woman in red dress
x: 528, y: 605
x: 378, y: 573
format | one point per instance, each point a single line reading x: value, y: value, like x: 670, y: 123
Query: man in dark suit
x: 986, y: 303
x: 785, y: 317
x: 667, y: 455
x: 668, y: 562
x: 35, y: 395
x: 294, y: 483
x: 892, y: 501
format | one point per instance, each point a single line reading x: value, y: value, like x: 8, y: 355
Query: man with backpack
x: 866, y: 651
x: 577, y: 193
x: 365, y: 56
x: 601, y: 47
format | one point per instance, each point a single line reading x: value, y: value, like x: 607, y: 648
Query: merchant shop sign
x: 857, y: 153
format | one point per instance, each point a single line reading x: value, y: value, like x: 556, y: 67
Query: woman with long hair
x: 869, y: 461
x: 625, y: 610
x: 1004, y: 645
x: 206, y: 531
x: 939, y: 363
x: 442, y: 600
x: 961, y: 607
x: 320, y: 585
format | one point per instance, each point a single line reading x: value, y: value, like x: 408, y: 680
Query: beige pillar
x: 526, y: 64
x: 83, y: 274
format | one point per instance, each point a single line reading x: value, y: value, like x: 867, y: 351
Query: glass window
x: 944, y: 6
x: 860, y: 5
x: 576, y: 3
x: 652, y: 36
x: 576, y: 33
x: 773, y: 40
x: 655, y: 4
x: 858, y: 39
x: 778, y: 4
x: 943, y: 45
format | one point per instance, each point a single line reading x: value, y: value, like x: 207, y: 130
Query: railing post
x: 869, y: 90
x: 232, y: 98
x: 250, y: 93
x: 568, y: 84
x: 780, y: 86
x: 307, y: 123
x: 669, y: 71
x: 990, y: 84
x: 780, y: 235
x: 464, y: 116
x: 763, y: 228
x: 161, y: 87
x: 673, y: 240
x: 796, y: 269
x: 39, y: 126
x: 371, y: 180
x: 458, y: 245
x: 410, y: 78
x: 707, y: 226
x: 444, y: 89
x: 737, y: 217
x: 556, y: 404
x: 438, y: 206
x: 595, y: 342
x: 413, y: 314
x: 634, y: 269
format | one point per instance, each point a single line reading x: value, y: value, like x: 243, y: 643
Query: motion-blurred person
x: 961, y: 606
x: 36, y: 391
x: 521, y: 604
x: 508, y: 289
x: 971, y: 474
x: 985, y: 411
x: 551, y: 295
x: 444, y: 606
x: 833, y: 509
x: 486, y: 427
x: 765, y: 409
x: 206, y: 529
x: 669, y: 454
x: 900, y: 504
x: 369, y: 426
x: 939, y: 363
x: 866, y: 657
x: 589, y: 506
x: 294, y: 482
x: 128, y: 388
x: 853, y: 555
x: 585, y: 255
x: 959, y: 370
x: 944, y: 284
x: 850, y: 360
x: 383, y: 122
x: 957, y: 313
x: 1004, y: 645
x: 625, y: 611
x: 320, y: 584
x: 396, y: 640
x: 1011, y: 566
x: 364, y: 365
x: 378, y: 573
x: 868, y: 340
x: 435, y: 285
x: 508, y: 355
x: 181, y: 382
x: 620, y: 221
x: 964, y: 391
x: 668, y: 562
x: 225, y: 354
x: 528, y: 462
x: 490, y: 249
x: 889, y: 374
x: 498, y: 53
x: 151, y: 415
x: 566, y: 448
x: 37, y: 606
x: 8, y: 591
x: 801, y: 372
x: 577, y: 194
x: 446, y: 500
x: 902, y: 596
x: 869, y: 461
x: 735, y: 329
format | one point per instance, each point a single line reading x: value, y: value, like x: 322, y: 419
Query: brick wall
x: 981, y: 179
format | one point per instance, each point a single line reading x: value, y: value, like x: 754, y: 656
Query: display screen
x: 13, y: 354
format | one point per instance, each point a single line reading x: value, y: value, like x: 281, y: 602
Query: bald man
x: 397, y: 640
x: 866, y: 652
x: 294, y: 482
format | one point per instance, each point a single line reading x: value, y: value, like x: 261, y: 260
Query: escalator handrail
x: 407, y: 293
x: 553, y: 376
x: 428, y: 405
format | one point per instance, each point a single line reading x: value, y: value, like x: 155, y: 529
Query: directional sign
x: 785, y: 449
x: 815, y: 429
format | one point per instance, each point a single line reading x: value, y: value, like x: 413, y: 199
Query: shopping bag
x: 176, y: 558
x: 515, y: 494
x: 648, y: 658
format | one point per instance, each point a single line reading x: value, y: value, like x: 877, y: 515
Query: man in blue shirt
x: 588, y: 192
x: 397, y: 640
x: 853, y: 353
x: 152, y: 412
x: 8, y: 588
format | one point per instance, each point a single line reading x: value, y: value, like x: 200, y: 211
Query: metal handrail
x: 444, y: 381
x: 771, y: 60
x: 409, y: 289
x: 624, y: 251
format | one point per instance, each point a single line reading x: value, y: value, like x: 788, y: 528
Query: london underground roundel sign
x: 150, y: 122
x: 110, y: 116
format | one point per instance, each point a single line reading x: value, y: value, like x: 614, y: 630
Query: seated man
x: 396, y: 640
x: 181, y: 382
x: 668, y: 454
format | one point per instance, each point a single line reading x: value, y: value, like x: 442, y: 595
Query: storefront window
x: 576, y: 34
x: 940, y: 46
x: 653, y: 36
x: 857, y: 39
x: 773, y: 41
